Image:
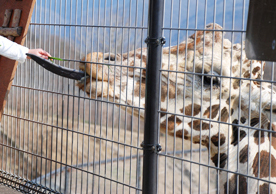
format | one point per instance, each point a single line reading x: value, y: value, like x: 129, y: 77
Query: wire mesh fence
x: 57, y: 138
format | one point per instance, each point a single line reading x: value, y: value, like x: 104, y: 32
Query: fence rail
x: 161, y: 73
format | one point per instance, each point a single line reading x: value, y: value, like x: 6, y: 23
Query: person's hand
x: 39, y: 52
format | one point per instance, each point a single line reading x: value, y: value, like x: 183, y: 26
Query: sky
x: 86, y: 20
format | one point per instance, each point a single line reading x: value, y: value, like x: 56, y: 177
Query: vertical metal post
x: 154, y: 45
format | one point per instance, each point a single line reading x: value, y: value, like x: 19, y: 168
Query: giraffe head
x: 207, y: 83
x: 205, y: 76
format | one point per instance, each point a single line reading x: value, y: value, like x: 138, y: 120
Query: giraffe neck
x: 248, y: 154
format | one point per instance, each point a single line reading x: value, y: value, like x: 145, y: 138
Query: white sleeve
x: 12, y: 50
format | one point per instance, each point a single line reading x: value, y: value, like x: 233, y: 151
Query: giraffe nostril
x: 110, y: 57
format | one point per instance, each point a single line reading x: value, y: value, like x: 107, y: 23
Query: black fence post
x: 154, y: 44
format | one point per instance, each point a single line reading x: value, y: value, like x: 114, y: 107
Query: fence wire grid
x: 55, y: 138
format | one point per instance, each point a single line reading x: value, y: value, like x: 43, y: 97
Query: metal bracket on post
x: 156, y: 41
x: 154, y: 148
x: 14, y: 30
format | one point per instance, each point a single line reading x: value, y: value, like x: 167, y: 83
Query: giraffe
x: 211, y: 94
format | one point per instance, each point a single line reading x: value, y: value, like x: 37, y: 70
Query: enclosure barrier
x: 198, y: 118
x: 151, y: 145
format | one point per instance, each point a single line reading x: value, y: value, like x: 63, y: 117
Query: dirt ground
x: 7, y: 190
x: 86, y: 158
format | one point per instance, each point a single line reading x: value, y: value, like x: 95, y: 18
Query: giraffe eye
x: 213, y: 80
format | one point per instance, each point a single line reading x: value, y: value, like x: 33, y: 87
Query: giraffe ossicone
x: 210, y: 94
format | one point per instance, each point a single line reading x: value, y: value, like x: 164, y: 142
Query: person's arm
x: 12, y: 50
x: 17, y: 52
